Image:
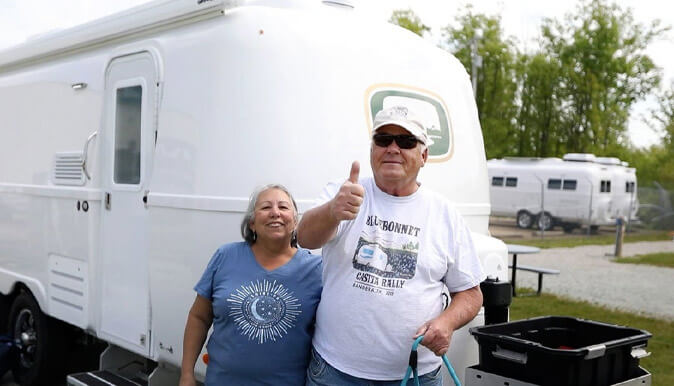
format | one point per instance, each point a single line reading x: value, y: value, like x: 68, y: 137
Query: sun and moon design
x: 264, y: 310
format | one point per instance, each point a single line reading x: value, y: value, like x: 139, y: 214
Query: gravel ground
x: 587, y: 273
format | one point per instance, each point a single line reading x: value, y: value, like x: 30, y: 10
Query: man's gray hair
x: 248, y: 235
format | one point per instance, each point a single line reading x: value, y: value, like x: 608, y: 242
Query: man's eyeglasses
x: 404, y: 141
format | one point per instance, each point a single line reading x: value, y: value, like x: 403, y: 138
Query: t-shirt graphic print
x: 385, y: 256
x: 264, y: 310
x: 396, y: 258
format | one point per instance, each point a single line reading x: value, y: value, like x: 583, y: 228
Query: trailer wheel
x: 39, y: 341
x: 544, y: 221
x: 524, y: 219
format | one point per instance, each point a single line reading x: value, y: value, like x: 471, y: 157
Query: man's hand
x: 462, y: 309
x: 437, y: 335
x: 346, y: 204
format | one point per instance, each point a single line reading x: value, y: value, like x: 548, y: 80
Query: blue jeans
x: 320, y: 373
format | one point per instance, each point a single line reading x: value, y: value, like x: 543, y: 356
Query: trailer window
x: 511, y: 181
x: 629, y: 187
x: 127, y: 135
x: 569, y: 185
x: 605, y: 186
x: 497, y: 181
x: 554, y: 184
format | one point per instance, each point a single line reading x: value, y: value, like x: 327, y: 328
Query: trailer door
x: 127, y: 144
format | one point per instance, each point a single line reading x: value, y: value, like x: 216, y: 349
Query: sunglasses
x: 404, y: 141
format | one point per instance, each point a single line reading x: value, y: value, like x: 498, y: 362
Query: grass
x: 575, y: 241
x: 661, y: 362
x: 664, y: 259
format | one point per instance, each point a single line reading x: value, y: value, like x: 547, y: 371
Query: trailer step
x: 102, y: 378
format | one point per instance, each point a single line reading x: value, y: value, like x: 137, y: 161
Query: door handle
x: 107, y: 200
x: 85, y: 154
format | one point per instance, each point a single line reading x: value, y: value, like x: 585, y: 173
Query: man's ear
x: 424, y: 156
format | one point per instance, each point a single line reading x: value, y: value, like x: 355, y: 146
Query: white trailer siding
x: 247, y: 96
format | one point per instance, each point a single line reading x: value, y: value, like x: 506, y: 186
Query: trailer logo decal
x: 425, y: 104
x: 264, y: 310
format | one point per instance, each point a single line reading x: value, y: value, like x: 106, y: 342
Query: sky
x: 20, y: 19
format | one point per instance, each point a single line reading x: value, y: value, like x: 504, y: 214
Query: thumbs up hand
x: 346, y: 204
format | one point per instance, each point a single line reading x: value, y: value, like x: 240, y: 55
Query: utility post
x: 589, y: 211
x: 542, y: 205
x: 629, y: 213
x: 620, y: 234
x: 475, y: 59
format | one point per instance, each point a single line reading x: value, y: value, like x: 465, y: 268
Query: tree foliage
x: 539, y: 119
x: 604, y: 72
x: 657, y: 162
x: 409, y: 20
x: 662, y: 118
x: 480, y: 38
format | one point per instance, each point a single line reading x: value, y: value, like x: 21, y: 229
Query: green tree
x: 662, y: 118
x: 409, y: 20
x: 604, y: 72
x: 656, y: 164
x: 539, y: 117
x: 496, y: 76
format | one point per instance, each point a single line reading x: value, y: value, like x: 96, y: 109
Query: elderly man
x: 389, y: 247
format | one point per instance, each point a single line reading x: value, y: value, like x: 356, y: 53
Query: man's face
x: 391, y: 164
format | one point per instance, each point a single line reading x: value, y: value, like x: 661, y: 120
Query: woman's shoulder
x: 230, y: 249
x: 306, y: 257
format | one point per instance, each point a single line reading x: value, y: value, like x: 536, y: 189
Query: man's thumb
x: 421, y: 330
x: 355, y: 170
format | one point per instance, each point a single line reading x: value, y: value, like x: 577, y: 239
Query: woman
x: 261, y: 297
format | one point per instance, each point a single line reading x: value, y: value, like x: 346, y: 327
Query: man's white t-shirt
x: 383, y: 276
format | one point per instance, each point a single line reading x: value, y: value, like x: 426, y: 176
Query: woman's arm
x: 199, y: 320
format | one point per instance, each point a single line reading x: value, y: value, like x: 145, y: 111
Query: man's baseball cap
x: 403, y: 117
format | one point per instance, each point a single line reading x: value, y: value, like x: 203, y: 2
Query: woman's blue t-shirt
x: 263, y: 320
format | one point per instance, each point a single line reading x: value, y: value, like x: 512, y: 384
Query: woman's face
x: 274, y: 216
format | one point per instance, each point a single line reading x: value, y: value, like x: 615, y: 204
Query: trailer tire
x: 38, y: 361
x: 524, y: 219
x: 5, y: 303
x: 544, y: 221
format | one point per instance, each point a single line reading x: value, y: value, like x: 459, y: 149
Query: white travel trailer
x: 129, y: 147
x: 551, y: 191
x: 624, y: 189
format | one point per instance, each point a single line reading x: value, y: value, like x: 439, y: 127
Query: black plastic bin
x: 561, y: 351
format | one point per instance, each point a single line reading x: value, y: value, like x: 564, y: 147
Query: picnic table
x: 516, y: 249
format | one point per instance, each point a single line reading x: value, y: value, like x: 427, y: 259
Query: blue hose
x: 411, y: 369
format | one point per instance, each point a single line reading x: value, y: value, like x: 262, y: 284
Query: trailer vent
x: 68, y: 169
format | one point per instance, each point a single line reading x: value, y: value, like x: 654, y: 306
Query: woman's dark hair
x: 248, y: 235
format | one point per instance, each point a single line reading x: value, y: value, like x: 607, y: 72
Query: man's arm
x: 319, y: 225
x: 462, y: 309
